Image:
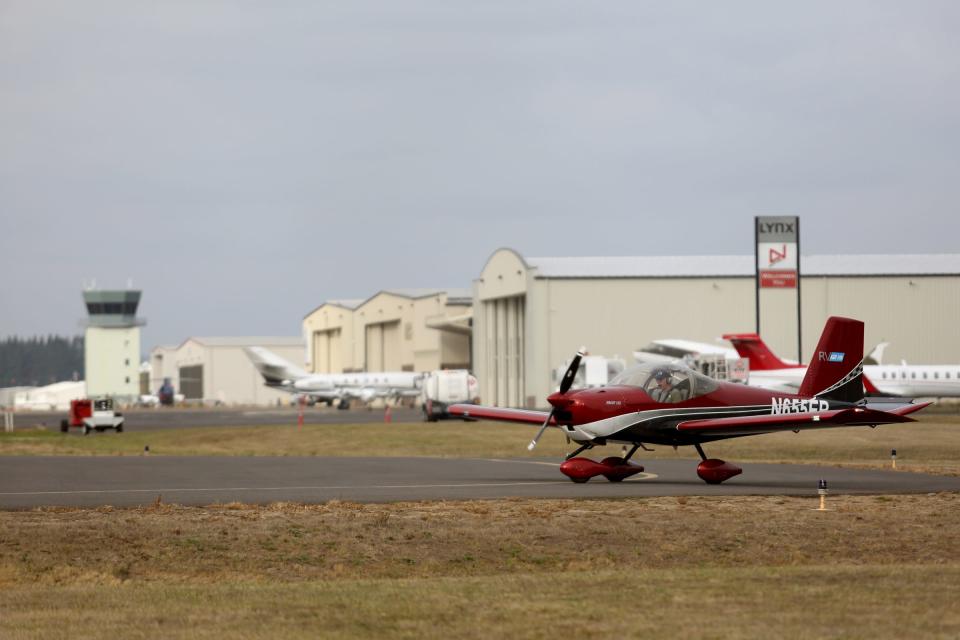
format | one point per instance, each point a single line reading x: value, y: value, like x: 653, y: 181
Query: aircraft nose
x: 560, y: 400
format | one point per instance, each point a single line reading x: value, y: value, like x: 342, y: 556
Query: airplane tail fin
x: 275, y: 370
x: 752, y: 347
x: 876, y: 356
x: 836, y: 368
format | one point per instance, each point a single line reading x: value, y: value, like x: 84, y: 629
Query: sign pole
x: 756, y: 271
x: 799, y: 327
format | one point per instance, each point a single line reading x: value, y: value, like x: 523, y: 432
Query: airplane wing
x: 749, y: 425
x: 526, y: 416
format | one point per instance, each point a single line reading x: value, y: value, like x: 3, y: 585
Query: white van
x: 445, y: 387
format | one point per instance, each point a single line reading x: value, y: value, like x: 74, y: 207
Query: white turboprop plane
x: 279, y: 374
x: 903, y: 380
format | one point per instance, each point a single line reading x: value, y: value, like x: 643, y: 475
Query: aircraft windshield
x: 666, y: 383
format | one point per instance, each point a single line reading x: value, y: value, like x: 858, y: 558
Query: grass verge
x: 876, y: 566
x: 931, y: 445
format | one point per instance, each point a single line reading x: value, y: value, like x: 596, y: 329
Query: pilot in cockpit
x: 664, y: 391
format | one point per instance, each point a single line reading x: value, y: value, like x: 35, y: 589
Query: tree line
x: 40, y: 360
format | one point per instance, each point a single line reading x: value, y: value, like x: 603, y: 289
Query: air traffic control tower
x: 112, y: 344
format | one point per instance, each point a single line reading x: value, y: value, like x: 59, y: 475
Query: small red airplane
x: 673, y: 405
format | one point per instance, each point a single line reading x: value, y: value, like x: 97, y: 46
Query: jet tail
x: 836, y: 368
x: 276, y: 371
x: 752, y: 347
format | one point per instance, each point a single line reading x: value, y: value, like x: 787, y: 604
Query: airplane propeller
x: 565, y: 383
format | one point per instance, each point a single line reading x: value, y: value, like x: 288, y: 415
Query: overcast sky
x: 242, y: 162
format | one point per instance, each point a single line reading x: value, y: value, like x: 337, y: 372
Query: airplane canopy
x: 666, y: 382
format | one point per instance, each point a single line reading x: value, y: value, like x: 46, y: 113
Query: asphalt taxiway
x: 34, y: 481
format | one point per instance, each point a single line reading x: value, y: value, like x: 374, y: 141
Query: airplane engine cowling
x: 714, y: 471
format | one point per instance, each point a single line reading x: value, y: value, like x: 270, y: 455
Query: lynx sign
x: 777, y: 259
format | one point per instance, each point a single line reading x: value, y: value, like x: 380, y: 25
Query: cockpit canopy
x: 667, y: 383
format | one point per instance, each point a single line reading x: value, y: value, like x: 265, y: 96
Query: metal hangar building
x: 392, y: 330
x: 531, y: 314
x: 216, y: 370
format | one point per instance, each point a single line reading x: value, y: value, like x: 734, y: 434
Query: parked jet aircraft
x: 343, y: 387
x: 672, y: 350
x: 903, y: 380
x: 669, y: 404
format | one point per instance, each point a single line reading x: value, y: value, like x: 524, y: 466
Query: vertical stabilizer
x: 836, y: 367
x: 275, y: 370
x: 753, y: 348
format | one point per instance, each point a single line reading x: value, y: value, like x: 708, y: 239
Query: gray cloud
x: 243, y: 162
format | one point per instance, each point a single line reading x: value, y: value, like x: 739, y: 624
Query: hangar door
x: 327, y: 351
x: 503, y: 329
x: 191, y: 382
x: 383, y: 346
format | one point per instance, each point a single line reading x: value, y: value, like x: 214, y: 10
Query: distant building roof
x: 457, y: 295
x: 741, y: 266
x: 247, y: 341
x: 352, y: 303
x: 425, y: 293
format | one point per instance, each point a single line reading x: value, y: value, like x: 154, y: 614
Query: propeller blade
x: 546, y: 423
x: 571, y: 372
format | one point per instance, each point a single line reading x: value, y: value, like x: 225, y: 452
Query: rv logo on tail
x: 833, y: 356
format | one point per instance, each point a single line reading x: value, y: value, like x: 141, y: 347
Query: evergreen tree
x: 40, y: 360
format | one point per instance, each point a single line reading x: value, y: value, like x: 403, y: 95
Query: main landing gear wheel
x: 713, y: 470
x: 614, y: 469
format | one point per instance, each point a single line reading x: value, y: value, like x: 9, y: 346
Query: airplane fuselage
x: 903, y: 380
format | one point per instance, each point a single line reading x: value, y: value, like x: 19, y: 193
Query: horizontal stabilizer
x: 910, y: 408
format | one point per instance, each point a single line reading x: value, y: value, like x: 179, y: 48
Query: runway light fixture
x: 893, y: 458
x: 822, y: 490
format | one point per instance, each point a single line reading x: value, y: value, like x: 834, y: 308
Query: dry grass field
x: 875, y: 566
x: 931, y: 445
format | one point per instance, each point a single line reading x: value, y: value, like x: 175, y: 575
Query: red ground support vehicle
x: 91, y: 415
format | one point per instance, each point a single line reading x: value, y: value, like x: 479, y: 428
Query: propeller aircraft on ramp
x: 669, y: 404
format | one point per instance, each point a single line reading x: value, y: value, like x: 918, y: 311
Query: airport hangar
x: 393, y: 330
x: 216, y: 369
x: 530, y: 315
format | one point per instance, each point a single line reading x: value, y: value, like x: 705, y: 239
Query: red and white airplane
x: 669, y: 404
x: 902, y: 380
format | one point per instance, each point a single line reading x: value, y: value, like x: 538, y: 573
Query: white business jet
x: 327, y: 387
